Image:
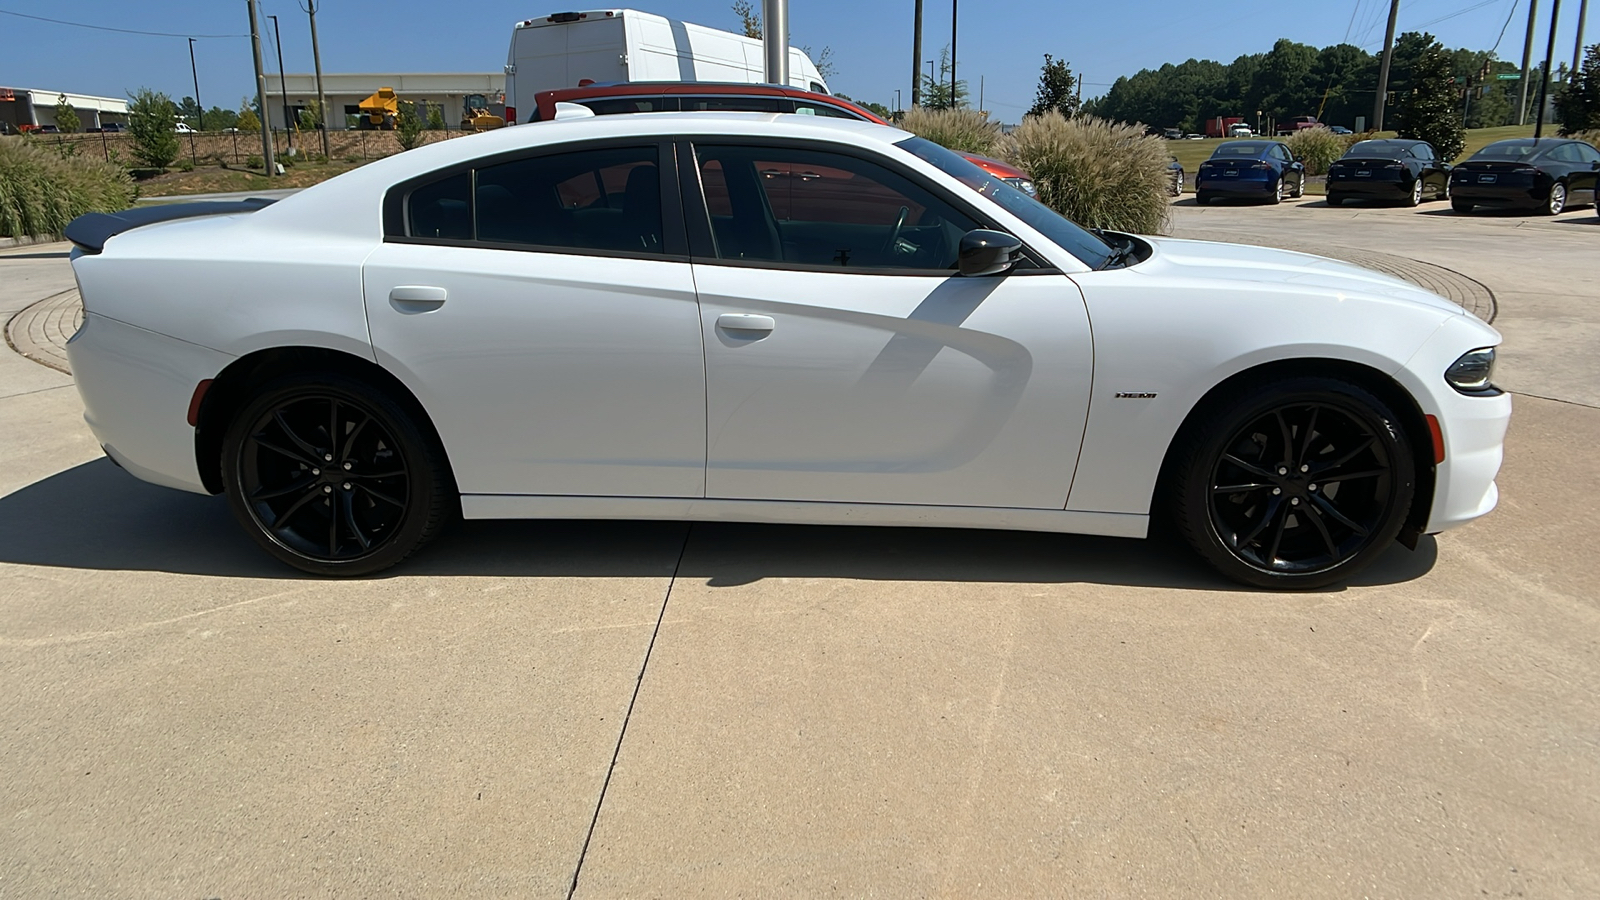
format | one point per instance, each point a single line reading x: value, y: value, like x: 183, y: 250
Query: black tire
x: 1460, y: 206
x: 1300, y: 188
x: 1243, y: 493
x: 1277, y: 193
x: 1556, y: 201
x: 334, y: 476
x: 1334, y: 200
x: 1202, y: 199
x: 1414, y: 199
x: 1444, y: 192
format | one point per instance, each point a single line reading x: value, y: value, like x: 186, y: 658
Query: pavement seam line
x: 623, y: 732
x: 1553, y: 399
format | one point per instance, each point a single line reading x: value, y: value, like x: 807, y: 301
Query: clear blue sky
x: 871, y: 39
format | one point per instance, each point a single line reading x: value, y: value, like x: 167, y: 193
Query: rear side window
x: 808, y: 108
x: 442, y: 209
x: 607, y: 199
x: 733, y: 103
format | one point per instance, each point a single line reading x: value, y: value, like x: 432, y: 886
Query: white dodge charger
x: 766, y: 318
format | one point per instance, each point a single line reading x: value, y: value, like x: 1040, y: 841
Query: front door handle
x: 415, y: 298
x: 745, y: 322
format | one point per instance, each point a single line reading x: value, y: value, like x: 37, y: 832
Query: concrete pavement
x: 666, y: 710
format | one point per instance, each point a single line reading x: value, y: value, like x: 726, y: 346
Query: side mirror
x: 988, y: 252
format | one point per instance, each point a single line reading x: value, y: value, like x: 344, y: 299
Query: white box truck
x: 604, y: 46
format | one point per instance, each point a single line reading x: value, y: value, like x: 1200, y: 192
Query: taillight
x: 1262, y: 165
x: 511, y: 115
x: 1525, y: 170
x: 1395, y: 165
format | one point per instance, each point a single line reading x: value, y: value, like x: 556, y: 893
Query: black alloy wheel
x: 1460, y: 206
x: 1300, y: 186
x: 333, y: 477
x: 1557, y: 201
x: 1277, y: 191
x: 1296, y: 485
x: 1334, y: 200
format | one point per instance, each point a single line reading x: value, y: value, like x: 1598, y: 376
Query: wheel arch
x: 1378, y: 382
x: 231, y: 389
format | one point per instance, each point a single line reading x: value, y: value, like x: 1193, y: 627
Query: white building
x: 446, y: 91
x: 31, y: 106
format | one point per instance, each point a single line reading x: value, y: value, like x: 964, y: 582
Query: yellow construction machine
x: 379, y: 111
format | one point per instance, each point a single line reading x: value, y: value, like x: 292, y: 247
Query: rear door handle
x: 745, y: 322
x: 415, y: 298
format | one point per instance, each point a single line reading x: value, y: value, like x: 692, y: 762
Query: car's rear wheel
x: 1415, y: 197
x: 1294, y: 484
x: 1460, y: 206
x: 1557, y: 201
x: 333, y: 476
x: 1335, y: 199
x: 1277, y: 192
x: 1202, y: 199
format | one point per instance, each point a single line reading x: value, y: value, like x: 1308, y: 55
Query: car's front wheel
x: 333, y: 476
x: 1294, y: 484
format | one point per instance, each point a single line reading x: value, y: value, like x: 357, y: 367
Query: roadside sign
x: 1508, y: 77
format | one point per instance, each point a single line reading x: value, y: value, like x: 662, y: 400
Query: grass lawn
x: 1192, y: 153
x: 217, y: 180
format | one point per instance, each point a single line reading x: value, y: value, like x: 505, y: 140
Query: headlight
x: 1473, y: 373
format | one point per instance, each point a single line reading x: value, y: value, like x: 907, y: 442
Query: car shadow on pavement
x: 95, y: 516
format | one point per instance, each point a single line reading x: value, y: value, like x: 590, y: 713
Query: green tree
x: 749, y: 19
x: 152, y: 120
x: 1057, y: 89
x: 1430, y: 111
x: 311, y: 116
x: 66, y: 116
x: 1578, y: 103
x: 247, y: 120
x: 936, y: 93
x: 408, y: 126
x: 877, y: 109
x: 218, y: 118
x: 435, y: 118
x: 189, y: 111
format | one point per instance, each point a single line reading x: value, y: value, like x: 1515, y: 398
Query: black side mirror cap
x: 986, y: 252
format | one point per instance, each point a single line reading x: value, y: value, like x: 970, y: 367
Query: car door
x: 546, y: 319
x: 1586, y: 171
x: 845, y: 359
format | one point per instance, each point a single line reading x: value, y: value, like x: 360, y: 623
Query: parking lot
x: 654, y: 709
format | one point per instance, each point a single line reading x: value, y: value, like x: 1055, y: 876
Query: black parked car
x: 1264, y: 169
x: 1399, y: 170
x: 1546, y: 174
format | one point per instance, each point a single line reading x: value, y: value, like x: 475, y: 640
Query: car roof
x: 675, y: 88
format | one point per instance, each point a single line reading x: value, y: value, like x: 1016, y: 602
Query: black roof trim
x: 90, y: 231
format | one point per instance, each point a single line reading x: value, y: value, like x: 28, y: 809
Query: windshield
x: 1090, y: 250
x: 1511, y: 150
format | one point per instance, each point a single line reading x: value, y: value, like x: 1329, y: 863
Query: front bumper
x: 136, y: 386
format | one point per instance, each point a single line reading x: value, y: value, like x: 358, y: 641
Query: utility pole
x: 261, y: 91
x: 916, y: 56
x: 1544, y: 77
x: 1383, y: 68
x: 283, y: 89
x: 1577, y: 45
x: 775, y: 37
x: 953, y: 5
x: 196, y: 73
x: 980, y: 93
x: 316, y: 58
x: 1527, y: 59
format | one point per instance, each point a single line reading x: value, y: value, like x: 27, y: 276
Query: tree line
x: 1336, y: 84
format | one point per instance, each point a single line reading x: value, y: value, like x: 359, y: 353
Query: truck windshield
x: 1089, y: 249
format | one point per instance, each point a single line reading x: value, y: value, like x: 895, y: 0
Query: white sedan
x: 766, y: 318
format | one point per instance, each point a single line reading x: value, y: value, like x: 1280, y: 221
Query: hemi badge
x: 1136, y: 395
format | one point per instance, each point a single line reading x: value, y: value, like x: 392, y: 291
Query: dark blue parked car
x: 1264, y: 170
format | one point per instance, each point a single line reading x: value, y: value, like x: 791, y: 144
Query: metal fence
x: 236, y: 147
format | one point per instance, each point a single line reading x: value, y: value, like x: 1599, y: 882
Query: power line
x: 1459, y: 12
x: 1504, y: 27
x: 170, y: 34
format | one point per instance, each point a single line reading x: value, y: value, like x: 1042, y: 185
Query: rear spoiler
x: 90, y: 231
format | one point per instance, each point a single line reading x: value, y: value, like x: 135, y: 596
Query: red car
x: 673, y: 96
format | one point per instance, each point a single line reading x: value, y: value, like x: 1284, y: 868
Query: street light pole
x: 953, y: 5
x: 196, y: 73
x: 1577, y: 45
x: 261, y: 90
x: 1527, y: 60
x: 1383, y: 69
x: 916, y: 56
x: 283, y: 89
x: 316, y: 58
x: 1544, y: 77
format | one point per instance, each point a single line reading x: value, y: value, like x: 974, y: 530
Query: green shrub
x: 1317, y: 148
x: 254, y: 162
x: 153, y: 119
x: 1097, y: 173
x: 40, y: 192
x: 185, y: 165
x: 961, y: 130
x: 408, y: 126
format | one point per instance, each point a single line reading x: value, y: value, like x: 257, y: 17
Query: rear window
x: 442, y: 209
x: 1241, y: 148
x: 1508, y: 150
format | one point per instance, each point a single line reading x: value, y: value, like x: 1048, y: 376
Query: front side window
x: 1063, y: 232
x: 605, y: 199
x: 818, y: 208
x: 606, y: 106
x: 809, y: 108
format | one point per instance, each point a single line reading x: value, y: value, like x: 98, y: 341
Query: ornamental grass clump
x: 1097, y: 173
x: 1317, y: 148
x: 41, y: 191
x: 961, y: 130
